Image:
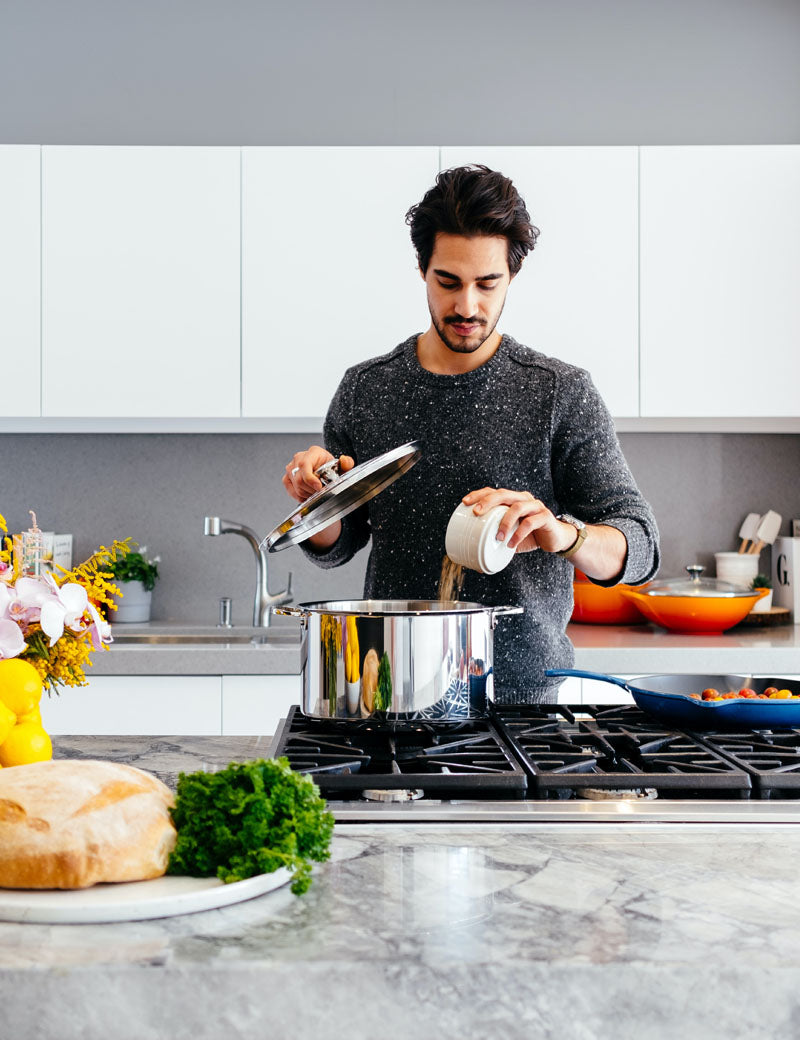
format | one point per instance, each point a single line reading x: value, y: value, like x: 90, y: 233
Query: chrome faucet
x: 214, y: 526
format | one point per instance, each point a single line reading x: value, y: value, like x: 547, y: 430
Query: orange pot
x: 595, y: 605
x: 698, y: 613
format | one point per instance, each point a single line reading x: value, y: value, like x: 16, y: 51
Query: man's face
x: 467, y: 281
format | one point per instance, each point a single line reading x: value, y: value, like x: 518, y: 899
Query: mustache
x: 458, y: 320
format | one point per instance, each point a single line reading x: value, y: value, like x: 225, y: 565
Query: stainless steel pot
x: 397, y: 660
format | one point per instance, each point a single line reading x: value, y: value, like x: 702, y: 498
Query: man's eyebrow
x: 454, y: 277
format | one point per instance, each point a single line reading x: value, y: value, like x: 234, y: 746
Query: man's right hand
x: 300, y: 480
x: 301, y: 483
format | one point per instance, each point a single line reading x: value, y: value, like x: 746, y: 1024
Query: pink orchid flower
x: 11, y: 642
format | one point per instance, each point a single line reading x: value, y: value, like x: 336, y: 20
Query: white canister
x: 737, y: 568
x: 471, y: 540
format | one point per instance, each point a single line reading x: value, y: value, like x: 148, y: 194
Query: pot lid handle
x: 341, y: 493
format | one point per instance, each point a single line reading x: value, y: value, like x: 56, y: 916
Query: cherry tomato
x: 770, y: 690
x: 710, y: 694
x: 747, y: 692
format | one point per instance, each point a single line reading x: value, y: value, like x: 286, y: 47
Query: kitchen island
x: 416, y: 930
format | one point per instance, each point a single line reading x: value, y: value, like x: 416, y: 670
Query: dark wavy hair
x: 472, y: 200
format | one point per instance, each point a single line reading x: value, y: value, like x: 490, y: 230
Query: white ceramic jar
x: 471, y: 540
x: 737, y: 568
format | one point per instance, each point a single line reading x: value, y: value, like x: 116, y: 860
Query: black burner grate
x: 466, y: 759
x: 567, y: 750
x: 771, y: 757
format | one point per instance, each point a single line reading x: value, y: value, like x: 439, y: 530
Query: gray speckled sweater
x: 521, y: 421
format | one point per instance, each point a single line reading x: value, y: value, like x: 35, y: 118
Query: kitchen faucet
x: 214, y: 526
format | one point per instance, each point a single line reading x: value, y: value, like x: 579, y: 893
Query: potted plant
x: 761, y: 581
x: 135, y: 575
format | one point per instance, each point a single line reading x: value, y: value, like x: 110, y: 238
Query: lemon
x: 30, y: 716
x: 20, y: 685
x: 27, y: 742
x: 7, y: 721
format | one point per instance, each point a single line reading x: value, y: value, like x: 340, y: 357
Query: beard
x: 461, y: 344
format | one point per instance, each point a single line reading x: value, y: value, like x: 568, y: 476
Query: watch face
x: 569, y: 519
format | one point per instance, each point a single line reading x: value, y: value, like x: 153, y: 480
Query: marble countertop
x: 469, y: 932
x: 617, y: 649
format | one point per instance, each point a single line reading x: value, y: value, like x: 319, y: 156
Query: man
x: 501, y: 424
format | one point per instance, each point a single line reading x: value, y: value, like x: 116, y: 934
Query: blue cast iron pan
x: 666, y: 698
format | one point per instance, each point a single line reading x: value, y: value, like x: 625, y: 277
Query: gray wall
x: 157, y: 488
x: 378, y: 72
x: 399, y: 71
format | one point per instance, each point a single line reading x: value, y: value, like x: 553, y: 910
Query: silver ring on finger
x: 295, y: 470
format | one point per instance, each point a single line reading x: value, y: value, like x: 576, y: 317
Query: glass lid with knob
x: 341, y: 493
x: 695, y: 585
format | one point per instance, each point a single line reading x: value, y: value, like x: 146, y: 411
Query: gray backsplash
x: 156, y: 489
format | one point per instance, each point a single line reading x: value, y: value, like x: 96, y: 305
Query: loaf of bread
x: 71, y: 824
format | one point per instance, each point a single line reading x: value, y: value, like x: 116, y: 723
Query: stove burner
x: 401, y: 794
x: 466, y: 759
x: 614, y: 748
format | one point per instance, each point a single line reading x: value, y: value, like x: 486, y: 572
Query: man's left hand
x: 601, y: 556
x: 538, y: 527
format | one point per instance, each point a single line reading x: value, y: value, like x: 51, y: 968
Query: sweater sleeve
x: 592, y: 480
x: 336, y: 438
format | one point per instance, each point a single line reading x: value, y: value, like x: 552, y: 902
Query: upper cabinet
x: 19, y: 280
x: 576, y: 296
x: 140, y: 281
x: 329, y: 275
x: 720, y: 262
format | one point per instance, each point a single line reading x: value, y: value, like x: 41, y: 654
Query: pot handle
x: 295, y: 612
x: 579, y: 674
x: 497, y: 612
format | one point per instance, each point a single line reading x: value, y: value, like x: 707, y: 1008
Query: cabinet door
x: 576, y: 296
x: 168, y: 705
x: 720, y: 268
x: 20, y: 360
x: 255, y: 704
x: 329, y: 275
x: 140, y: 281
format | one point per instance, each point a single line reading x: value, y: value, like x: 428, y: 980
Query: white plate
x: 133, y: 900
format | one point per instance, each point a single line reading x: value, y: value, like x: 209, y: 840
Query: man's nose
x: 466, y: 302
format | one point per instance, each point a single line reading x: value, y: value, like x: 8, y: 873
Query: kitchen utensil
x: 341, y: 494
x: 737, y: 568
x: 417, y: 659
x: 666, y: 697
x: 471, y: 540
x: 766, y: 532
x: 695, y: 604
x: 167, y: 896
x: 598, y: 605
x: 747, y: 530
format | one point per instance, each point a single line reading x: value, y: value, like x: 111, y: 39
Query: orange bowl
x: 596, y: 605
x: 694, y: 613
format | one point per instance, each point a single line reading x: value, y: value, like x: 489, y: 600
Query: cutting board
x: 133, y: 900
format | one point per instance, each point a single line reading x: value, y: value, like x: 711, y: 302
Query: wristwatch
x: 580, y: 527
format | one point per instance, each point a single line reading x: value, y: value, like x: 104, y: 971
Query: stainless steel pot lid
x: 696, y: 586
x: 341, y: 494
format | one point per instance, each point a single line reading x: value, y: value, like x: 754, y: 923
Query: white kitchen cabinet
x: 137, y: 704
x: 255, y: 704
x: 329, y: 275
x: 720, y: 261
x: 576, y: 296
x: 140, y: 281
x: 20, y: 359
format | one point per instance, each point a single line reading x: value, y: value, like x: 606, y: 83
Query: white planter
x: 133, y: 605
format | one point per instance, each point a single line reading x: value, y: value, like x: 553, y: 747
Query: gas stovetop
x: 547, y: 762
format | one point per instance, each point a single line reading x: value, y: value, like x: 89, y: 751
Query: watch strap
x: 580, y: 537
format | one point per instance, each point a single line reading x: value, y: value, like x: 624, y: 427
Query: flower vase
x: 134, y: 603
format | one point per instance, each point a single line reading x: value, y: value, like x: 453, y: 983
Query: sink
x: 214, y: 638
